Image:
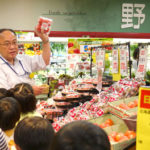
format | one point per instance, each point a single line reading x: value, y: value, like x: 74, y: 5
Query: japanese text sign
x: 142, y: 63
x: 143, y: 119
x: 100, y: 58
x: 123, y: 60
x: 130, y: 12
x: 115, y: 61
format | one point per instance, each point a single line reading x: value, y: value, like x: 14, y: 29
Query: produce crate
x: 119, y: 126
x: 104, y: 117
x: 50, y: 114
x: 131, y: 122
x: 122, y: 113
x: 119, y: 145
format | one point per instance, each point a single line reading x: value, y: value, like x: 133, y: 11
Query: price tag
x: 143, y: 119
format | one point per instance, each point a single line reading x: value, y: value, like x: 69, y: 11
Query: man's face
x: 8, y: 45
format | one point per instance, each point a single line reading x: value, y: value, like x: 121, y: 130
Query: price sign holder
x: 143, y: 119
x: 118, y: 75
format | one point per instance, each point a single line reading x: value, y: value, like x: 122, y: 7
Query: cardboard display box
x: 119, y: 126
x: 131, y: 122
x: 123, y: 144
x: 122, y: 113
x: 104, y: 117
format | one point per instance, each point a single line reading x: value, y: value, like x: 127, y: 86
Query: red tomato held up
x: 44, y: 23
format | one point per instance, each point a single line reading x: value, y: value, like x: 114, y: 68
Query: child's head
x: 23, y: 93
x: 81, y: 135
x: 9, y: 113
x: 3, y: 93
x: 33, y: 133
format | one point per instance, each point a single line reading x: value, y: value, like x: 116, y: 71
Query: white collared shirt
x: 8, y: 78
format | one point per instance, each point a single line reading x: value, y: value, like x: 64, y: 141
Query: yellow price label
x: 143, y: 119
x: 106, y: 56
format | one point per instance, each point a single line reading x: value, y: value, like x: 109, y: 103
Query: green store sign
x: 101, y: 16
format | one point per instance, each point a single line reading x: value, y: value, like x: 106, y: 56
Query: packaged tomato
x: 45, y: 24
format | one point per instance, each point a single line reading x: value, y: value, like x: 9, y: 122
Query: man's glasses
x: 8, y: 44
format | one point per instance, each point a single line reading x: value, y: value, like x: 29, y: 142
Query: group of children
x: 22, y: 128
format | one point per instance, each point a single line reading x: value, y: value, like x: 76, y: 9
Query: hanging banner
x: 100, y: 57
x: 123, y: 60
x: 142, y: 63
x: 82, y: 46
x: 117, y: 76
x: 143, y: 119
x: 115, y: 61
x: 99, y: 78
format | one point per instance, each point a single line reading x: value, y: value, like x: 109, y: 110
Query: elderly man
x: 14, y: 69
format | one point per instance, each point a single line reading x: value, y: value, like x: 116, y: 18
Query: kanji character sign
x: 130, y: 11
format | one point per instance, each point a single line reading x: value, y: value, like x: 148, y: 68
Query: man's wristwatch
x: 45, y: 42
